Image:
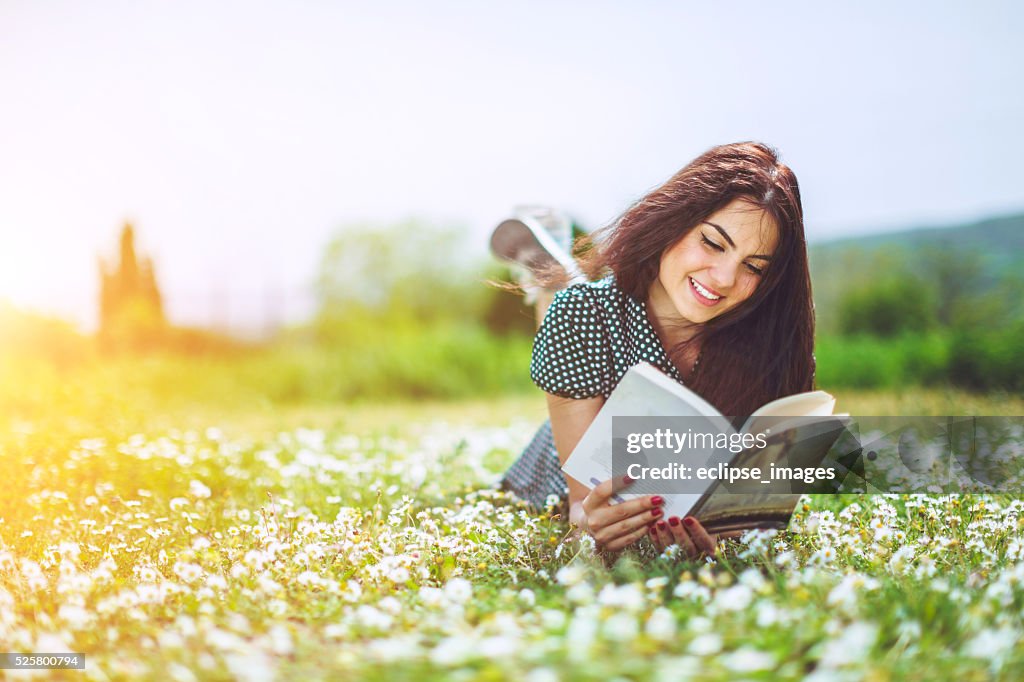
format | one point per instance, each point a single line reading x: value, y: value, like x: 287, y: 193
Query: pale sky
x: 239, y: 136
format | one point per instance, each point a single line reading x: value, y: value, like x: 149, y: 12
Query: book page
x: 765, y: 503
x: 810, y: 404
x: 643, y: 392
x: 692, y: 403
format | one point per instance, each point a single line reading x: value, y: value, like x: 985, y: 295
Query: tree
x: 131, y: 307
x: 408, y: 269
x: 888, y: 307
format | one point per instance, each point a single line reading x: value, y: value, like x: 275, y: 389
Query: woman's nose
x: 723, y: 275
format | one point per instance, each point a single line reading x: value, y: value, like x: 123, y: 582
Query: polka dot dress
x: 591, y: 335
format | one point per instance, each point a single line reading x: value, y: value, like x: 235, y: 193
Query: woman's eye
x: 708, y: 242
x: 754, y: 269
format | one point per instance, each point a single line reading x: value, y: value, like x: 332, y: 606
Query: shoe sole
x: 531, y: 246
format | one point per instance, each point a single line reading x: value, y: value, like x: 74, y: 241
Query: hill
x: 982, y: 259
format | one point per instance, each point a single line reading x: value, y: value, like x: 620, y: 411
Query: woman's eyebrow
x: 725, y: 235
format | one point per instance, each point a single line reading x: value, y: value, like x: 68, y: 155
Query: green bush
x: 888, y: 307
x: 986, y: 358
x: 870, y: 362
x: 449, y: 361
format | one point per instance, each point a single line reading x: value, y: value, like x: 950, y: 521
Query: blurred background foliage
x: 406, y: 311
x: 923, y: 307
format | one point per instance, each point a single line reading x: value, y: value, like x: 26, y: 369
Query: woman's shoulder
x: 600, y: 298
x: 572, y: 356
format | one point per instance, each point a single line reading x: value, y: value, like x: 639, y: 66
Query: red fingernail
x: 652, y: 529
x: 673, y: 520
x: 657, y: 499
x: 627, y: 479
x: 688, y: 521
x: 655, y: 512
x: 661, y: 525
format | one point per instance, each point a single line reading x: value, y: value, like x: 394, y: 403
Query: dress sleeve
x: 571, y: 352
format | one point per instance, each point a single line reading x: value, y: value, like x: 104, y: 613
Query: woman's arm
x: 615, y: 526
x: 569, y: 421
x: 620, y: 525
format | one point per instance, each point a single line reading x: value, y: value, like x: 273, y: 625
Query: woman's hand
x: 615, y: 526
x: 687, y: 532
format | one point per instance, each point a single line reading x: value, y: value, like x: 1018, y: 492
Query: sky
x: 238, y: 137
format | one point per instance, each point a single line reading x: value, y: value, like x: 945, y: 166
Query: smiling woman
x: 706, y: 278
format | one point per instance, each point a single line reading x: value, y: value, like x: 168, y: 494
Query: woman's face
x: 719, y: 264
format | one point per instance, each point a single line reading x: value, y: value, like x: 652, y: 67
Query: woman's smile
x: 704, y: 295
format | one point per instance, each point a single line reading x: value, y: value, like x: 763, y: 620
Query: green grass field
x: 170, y: 535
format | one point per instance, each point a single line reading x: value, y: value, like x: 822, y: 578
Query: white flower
x: 901, y: 558
x: 785, y: 558
x: 748, y: 660
x: 620, y: 627
x: 336, y: 631
x: 453, y: 650
x: 552, y: 619
x: 527, y: 597
x: 268, y: 584
x: 307, y: 578
x: 735, y: 598
x: 661, y: 625
x: 541, y: 675
x: 198, y: 489
x: 675, y: 668
x: 707, y: 644
x: 280, y: 640
x: 394, y: 649
x: 823, y: 556
x: 688, y: 589
x: 991, y: 643
x: 216, y: 581
x: 75, y: 616
x: 146, y: 574
x: 581, y: 593
x: 390, y: 605
x: 851, y: 646
x: 581, y: 632
x: 752, y: 578
x: 458, y: 590
x: 657, y: 583
x: 628, y: 597
x: 432, y: 596
x: 370, y: 617
x: 845, y: 593
x: 188, y: 572
x: 570, y: 575
x: 500, y: 646
x: 399, y: 574
x: 252, y: 665
x: 768, y: 614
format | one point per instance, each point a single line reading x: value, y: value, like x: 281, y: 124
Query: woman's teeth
x: 704, y: 292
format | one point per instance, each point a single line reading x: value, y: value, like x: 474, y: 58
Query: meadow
x: 175, y: 522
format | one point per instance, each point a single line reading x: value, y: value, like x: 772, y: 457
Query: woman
x: 707, y: 279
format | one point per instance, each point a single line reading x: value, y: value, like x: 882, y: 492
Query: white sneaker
x: 524, y: 241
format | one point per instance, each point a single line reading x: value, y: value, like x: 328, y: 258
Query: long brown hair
x: 763, y: 348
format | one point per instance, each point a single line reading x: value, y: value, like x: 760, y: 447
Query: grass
x: 190, y: 536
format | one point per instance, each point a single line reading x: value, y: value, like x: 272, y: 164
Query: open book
x: 793, y: 433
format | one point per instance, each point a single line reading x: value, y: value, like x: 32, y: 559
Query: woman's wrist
x: 577, y: 515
